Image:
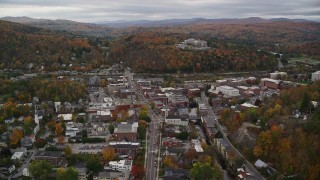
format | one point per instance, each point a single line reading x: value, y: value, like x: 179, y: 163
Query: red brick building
x: 125, y: 148
x: 178, y: 101
x: 157, y: 97
x: 171, y: 142
x: 195, y: 92
x: 270, y: 83
x: 53, y: 157
x: 127, y: 132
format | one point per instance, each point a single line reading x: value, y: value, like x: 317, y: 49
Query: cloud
x: 98, y: 10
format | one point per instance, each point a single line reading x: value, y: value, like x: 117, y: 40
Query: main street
x: 153, y: 149
x: 153, y: 134
x: 249, y: 167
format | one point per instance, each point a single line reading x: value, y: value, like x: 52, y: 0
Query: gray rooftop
x: 209, y: 121
x: 49, y: 154
x: 124, y: 128
x: 110, y: 174
x: 126, y: 90
x: 26, y: 142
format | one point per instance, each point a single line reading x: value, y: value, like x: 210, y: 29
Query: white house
x: 315, y: 104
x: 175, y: 120
x: 71, y: 133
x: 260, y: 164
x: 66, y: 117
x: 25, y: 172
x: 37, y: 118
x: 71, y: 130
x: 36, y: 129
x: 106, y: 112
x: 278, y: 75
x: 8, y: 168
x: 194, y: 44
x: 12, y: 168
x: 57, y: 106
x: 315, y: 76
x: 18, y: 156
x: 228, y: 91
x: 248, y: 105
x: 195, y: 143
x: 122, y: 165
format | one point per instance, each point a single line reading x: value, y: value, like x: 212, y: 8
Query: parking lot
x: 87, y: 148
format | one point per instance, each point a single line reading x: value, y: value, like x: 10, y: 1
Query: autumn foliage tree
x: 26, y: 44
x: 108, y: 154
x: 169, y: 161
x: 15, y: 137
x: 40, y: 169
x: 69, y: 173
x: 40, y: 143
x: 205, y: 159
x: 94, y: 163
x: 289, y: 145
x: 142, y: 129
x: 60, y: 139
x: 51, y: 124
x: 234, y: 123
x: 124, y: 115
x: 9, y: 107
x: 203, y: 171
x: 268, y: 142
x: 27, y: 125
x: 143, y: 115
x: 137, y: 171
x: 28, y: 120
x: 67, y: 151
x: 58, y: 129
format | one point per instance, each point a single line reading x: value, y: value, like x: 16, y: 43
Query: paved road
x: 157, y: 121
x: 24, y: 165
x: 254, y: 173
x: 152, y: 152
x: 153, y: 136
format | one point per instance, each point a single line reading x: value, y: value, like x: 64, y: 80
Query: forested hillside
x: 234, y: 47
x: 85, y: 29
x: 291, y: 145
x: 156, y: 51
x: 287, y: 142
x: 283, y: 37
x: 21, y: 45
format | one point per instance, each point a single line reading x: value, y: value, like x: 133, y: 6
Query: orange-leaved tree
x: 108, y: 154
x: 16, y: 136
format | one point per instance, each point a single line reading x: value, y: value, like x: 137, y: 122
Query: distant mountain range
x: 26, y: 20
x: 177, y: 22
x: 68, y: 25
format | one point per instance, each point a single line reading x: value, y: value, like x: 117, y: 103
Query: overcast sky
x: 112, y: 10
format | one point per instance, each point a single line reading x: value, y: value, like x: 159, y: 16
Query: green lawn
x: 305, y: 82
x: 306, y: 59
x: 5, y: 96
